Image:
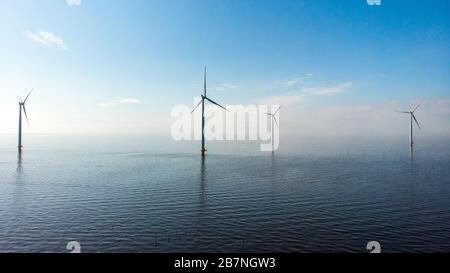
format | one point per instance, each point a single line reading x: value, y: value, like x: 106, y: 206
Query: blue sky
x: 120, y: 66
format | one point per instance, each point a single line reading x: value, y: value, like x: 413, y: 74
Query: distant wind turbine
x: 22, y: 106
x: 202, y: 102
x: 412, y: 117
x: 274, y: 120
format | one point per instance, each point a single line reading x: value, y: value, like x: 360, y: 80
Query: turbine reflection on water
x: 19, y: 169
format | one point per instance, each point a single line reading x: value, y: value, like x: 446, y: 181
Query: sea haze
x: 152, y: 194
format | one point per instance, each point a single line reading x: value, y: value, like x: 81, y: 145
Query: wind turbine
x: 412, y: 117
x: 274, y: 120
x: 202, y: 102
x: 22, y: 106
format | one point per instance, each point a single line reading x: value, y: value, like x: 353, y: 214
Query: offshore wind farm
x: 296, y: 144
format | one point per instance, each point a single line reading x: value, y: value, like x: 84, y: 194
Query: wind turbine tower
x: 412, y: 117
x: 22, y: 107
x: 202, y: 102
x: 274, y: 120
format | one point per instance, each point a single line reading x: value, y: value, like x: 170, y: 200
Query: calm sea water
x: 150, y: 194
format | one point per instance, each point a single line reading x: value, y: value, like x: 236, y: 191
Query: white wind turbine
x: 412, y: 117
x: 274, y: 120
x: 22, y: 106
x: 202, y: 102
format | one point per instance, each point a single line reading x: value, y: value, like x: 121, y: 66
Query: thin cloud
x: 343, y: 87
x: 119, y: 102
x: 73, y: 2
x: 303, y: 94
x: 295, y: 80
x: 46, y: 38
x: 225, y: 86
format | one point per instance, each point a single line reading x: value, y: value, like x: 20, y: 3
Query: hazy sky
x: 340, y: 67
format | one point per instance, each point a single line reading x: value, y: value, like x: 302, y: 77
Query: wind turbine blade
x: 277, y: 110
x: 204, y: 83
x: 20, y: 100
x: 28, y: 96
x: 210, y: 100
x: 196, y: 106
x: 418, y: 106
x: 274, y: 119
x: 414, y: 117
x: 25, y: 112
x: 404, y: 112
